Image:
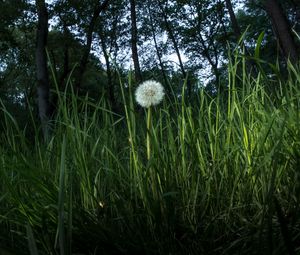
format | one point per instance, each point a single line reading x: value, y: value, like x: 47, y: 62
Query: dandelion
x: 149, y: 93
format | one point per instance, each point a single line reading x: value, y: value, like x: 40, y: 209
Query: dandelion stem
x: 148, y: 132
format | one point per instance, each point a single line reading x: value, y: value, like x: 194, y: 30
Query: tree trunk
x: 43, y: 89
x: 89, y: 39
x: 233, y: 20
x: 156, y: 46
x: 66, y: 67
x: 173, y: 39
x: 206, y: 53
x: 282, y: 30
x: 175, y: 44
x: 134, y: 39
x: 110, y: 83
x: 250, y: 65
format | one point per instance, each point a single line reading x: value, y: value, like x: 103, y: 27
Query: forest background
x: 167, y: 40
x: 213, y: 169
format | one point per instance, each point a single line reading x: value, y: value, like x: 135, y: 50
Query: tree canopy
x: 91, y: 43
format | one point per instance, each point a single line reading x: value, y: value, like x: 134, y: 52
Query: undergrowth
x: 223, y: 175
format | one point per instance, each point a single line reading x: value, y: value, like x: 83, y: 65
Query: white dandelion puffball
x: 149, y: 93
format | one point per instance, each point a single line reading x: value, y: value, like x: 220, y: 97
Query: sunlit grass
x: 217, y: 165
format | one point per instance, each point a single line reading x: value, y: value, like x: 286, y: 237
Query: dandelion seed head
x: 149, y: 93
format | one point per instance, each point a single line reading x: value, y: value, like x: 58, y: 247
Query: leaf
x: 258, y: 45
x: 31, y: 241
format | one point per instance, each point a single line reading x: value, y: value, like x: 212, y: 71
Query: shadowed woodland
x: 214, y: 168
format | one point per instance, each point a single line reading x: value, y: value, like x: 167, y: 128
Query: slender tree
x: 237, y: 32
x: 170, y: 31
x: 158, y: 52
x: 99, y: 7
x: 110, y: 83
x: 233, y: 20
x: 66, y: 46
x: 134, y: 40
x: 172, y: 36
x: 43, y: 89
x: 201, y: 30
x: 108, y: 33
x: 282, y: 30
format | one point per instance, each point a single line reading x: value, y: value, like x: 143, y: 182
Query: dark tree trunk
x: 250, y: 65
x: 43, y: 89
x: 89, y: 38
x: 110, y: 83
x: 282, y: 30
x: 66, y: 67
x: 175, y: 44
x: 233, y: 20
x: 212, y: 61
x: 156, y: 46
x: 65, y: 71
x: 134, y: 40
x: 173, y: 39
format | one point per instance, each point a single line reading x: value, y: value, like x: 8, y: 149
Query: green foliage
x: 212, y: 173
x: 202, y: 30
x: 216, y: 166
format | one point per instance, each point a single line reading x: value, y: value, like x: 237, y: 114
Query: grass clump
x: 222, y: 176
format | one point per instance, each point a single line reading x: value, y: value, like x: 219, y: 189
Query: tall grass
x: 222, y: 176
